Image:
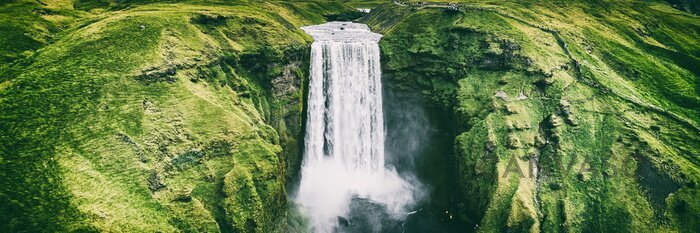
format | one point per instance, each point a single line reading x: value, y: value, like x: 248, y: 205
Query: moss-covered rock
x: 145, y: 116
x: 149, y: 115
x: 584, y: 73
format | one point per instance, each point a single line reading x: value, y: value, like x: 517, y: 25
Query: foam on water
x: 344, y: 141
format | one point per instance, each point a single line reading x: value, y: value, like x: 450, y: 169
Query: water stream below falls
x: 344, y: 172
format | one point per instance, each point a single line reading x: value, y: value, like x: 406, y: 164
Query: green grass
x: 609, y: 85
x: 29, y: 25
x: 167, y: 116
x: 152, y: 117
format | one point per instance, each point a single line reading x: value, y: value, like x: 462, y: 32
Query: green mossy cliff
x: 574, y: 116
x: 138, y: 116
x: 169, y: 116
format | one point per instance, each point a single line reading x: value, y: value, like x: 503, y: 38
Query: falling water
x: 344, y: 143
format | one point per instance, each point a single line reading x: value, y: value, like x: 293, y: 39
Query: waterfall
x: 344, y: 141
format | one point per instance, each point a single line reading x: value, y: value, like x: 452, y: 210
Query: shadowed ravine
x: 375, y: 159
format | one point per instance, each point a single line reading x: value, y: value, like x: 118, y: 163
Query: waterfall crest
x: 344, y: 141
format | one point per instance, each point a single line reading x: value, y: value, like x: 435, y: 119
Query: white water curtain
x: 344, y: 143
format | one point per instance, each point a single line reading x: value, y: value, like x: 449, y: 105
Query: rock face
x: 289, y: 97
x: 580, y: 169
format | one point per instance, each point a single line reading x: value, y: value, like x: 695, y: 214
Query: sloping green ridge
x: 152, y: 117
x: 574, y: 116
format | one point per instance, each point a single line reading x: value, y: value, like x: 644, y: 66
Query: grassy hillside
x: 574, y: 116
x: 123, y: 116
x: 170, y: 116
x: 30, y: 25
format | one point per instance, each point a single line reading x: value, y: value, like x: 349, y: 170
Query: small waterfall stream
x: 344, y: 141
